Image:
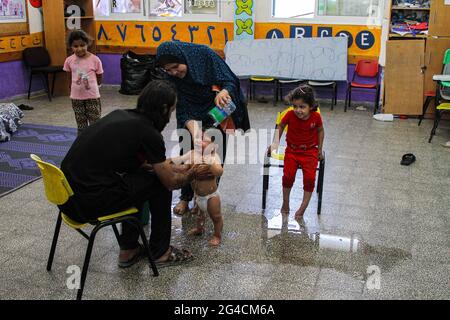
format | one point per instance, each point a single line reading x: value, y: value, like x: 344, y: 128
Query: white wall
x: 35, y: 19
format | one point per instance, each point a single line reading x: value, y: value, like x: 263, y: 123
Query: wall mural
x: 244, y: 20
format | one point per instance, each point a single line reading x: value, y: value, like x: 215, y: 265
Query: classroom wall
x: 138, y: 31
x: 14, y: 78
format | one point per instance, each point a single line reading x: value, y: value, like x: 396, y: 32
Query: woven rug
x: 50, y: 143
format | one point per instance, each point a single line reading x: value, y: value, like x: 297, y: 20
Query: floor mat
x: 51, y: 143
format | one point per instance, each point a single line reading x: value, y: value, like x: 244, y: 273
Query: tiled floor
x: 376, y: 214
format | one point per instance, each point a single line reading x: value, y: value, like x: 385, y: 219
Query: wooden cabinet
x: 439, y: 19
x: 56, y: 31
x: 411, y: 61
x: 404, y: 77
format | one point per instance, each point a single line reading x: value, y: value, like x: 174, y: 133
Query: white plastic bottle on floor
x: 384, y: 117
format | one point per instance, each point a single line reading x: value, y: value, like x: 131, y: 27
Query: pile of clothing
x: 412, y: 4
x: 10, y: 120
x: 409, y: 21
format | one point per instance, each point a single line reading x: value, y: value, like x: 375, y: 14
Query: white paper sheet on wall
x: 447, y: 2
x: 301, y: 58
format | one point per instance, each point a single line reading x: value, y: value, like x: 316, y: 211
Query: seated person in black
x: 105, y: 170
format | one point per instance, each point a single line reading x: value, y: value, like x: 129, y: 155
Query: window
x: 331, y: 8
x: 126, y: 6
x: 348, y: 8
x: 293, y: 9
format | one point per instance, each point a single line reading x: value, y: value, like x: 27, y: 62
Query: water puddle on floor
x: 275, y: 239
x: 301, y: 242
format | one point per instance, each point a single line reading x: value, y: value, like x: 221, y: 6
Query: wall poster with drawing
x: 101, y: 8
x: 13, y: 11
x: 166, y: 8
x: 126, y: 6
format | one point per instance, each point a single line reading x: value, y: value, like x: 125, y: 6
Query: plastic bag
x: 137, y: 71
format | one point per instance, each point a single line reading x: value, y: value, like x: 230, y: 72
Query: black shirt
x: 108, y: 149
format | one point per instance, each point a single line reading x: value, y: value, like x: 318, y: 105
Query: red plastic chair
x: 365, y: 69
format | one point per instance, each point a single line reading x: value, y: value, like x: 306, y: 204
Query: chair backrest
x: 445, y: 85
x: 36, y: 57
x: 57, y: 188
x: 281, y: 115
x: 447, y: 57
x: 367, y: 68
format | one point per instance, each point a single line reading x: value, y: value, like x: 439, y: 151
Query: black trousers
x: 137, y: 188
x: 187, y: 194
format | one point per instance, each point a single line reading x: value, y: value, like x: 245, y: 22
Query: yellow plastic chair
x: 264, y: 81
x: 440, y: 110
x: 276, y: 155
x: 58, y: 192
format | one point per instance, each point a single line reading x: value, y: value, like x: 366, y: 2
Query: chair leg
x: 53, y: 83
x: 332, y: 97
x: 436, y: 124
x: 346, y: 99
x: 335, y: 94
x: 320, y: 186
x: 29, y: 86
x: 377, y: 100
x: 146, y: 246
x: 265, y: 188
x: 275, y: 93
x: 280, y: 92
x: 54, y: 242
x: 46, y: 84
x: 87, y: 259
x: 425, y: 108
x: 116, y: 233
x: 349, y: 98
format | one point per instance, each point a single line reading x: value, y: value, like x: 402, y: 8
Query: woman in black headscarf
x: 195, y: 69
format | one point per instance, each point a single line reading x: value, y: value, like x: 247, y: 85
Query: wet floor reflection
x: 301, y: 242
x: 276, y: 239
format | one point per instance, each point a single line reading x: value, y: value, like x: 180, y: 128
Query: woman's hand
x: 222, y: 98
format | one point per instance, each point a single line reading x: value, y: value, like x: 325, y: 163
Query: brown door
x: 404, y: 77
x: 439, y: 19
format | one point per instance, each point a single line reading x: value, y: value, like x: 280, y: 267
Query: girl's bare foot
x: 299, y: 214
x: 196, y: 232
x: 215, y: 241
